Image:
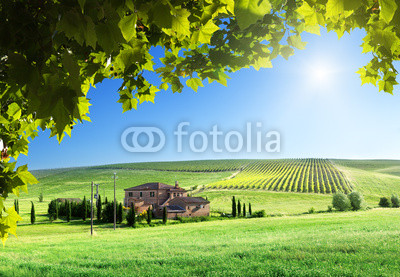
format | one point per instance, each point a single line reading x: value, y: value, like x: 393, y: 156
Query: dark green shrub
x: 341, y: 202
x: 395, y: 201
x: 311, y: 210
x: 330, y: 209
x: 356, y: 200
x: 41, y: 197
x: 193, y: 219
x: 258, y: 214
x: 384, y: 202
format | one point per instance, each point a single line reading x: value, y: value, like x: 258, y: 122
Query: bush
x: 193, y: 219
x: 330, y: 208
x: 356, y: 200
x: 395, y: 201
x: 258, y: 214
x: 311, y: 210
x: 341, y: 202
x: 384, y: 202
x: 40, y: 197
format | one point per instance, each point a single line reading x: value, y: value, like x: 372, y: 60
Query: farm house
x: 159, y: 195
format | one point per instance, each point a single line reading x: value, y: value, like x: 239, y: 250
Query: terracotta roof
x: 154, y: 186
x: 192, y: 200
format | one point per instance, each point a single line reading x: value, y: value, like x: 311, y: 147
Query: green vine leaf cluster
x: 52, y: 52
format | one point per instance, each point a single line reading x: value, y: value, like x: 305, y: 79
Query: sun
x: 321, y: 73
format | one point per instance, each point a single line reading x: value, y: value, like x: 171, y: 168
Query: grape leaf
x: 247, y: 12
x: 128, y: 26
x: 388, y: 9
x: 194, y: 83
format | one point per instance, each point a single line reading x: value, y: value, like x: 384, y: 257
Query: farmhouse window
x: 140, y: 194
x: 130, y: 194
x: 174, y: 194
x: 151, y: 193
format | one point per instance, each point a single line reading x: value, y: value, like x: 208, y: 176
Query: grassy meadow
x: 332, y: 244
x: 288, y: 242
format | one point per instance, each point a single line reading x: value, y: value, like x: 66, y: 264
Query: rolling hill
x: 272, y: 185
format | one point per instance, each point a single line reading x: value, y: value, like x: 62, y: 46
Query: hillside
x: 244, y: 178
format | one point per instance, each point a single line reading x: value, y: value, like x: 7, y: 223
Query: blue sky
x: 329, y: 116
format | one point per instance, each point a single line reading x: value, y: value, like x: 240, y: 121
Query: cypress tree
x: 99, y: 208
x: 131, y: 217
x: 68, y: 206
x: 149, y: 215
x: 250, y: 209
x: 119, y: 213
x: 239, y: 207
x: 84, y: 208
x: 164, y: 215
x: 16, y: 205
x: 233, y: 206
x: 106, y: 201
x: 33, y: 217
x: 244, y: 209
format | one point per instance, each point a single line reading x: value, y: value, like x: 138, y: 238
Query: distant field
x: 295, y: 175
x: 190, y: 166
x: 374, y: 179
x: 332, y: 244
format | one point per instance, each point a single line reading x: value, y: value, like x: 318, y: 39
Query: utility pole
x: 115, y: 203
x: 91, y: 212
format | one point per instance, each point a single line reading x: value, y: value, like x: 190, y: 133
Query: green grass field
x: 288, y: 242
x: 332, y: 244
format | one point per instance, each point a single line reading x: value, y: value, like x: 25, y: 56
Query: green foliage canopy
x: 52, y: 52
